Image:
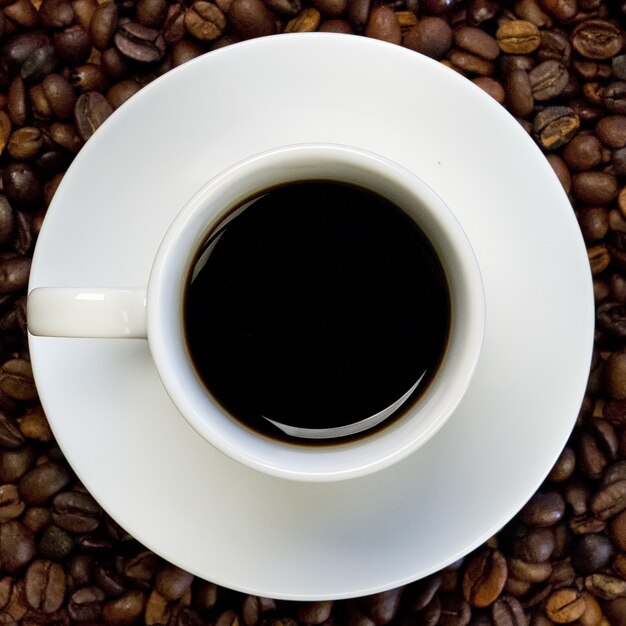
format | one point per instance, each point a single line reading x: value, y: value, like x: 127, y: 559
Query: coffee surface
x: 316, y: 305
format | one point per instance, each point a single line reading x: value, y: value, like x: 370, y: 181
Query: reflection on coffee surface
x: 316, y: 305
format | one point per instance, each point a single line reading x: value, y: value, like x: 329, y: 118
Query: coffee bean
x: 11, y: 505
x: 291, y: 8
x: 561, y: 9
x: 20, y: 46
x: 614, y: 97
x: 554, y: 46
x: 615, y: 611
x: 76, y: 512
x: 17, y: 546
x: 328, y: 8
x: 615, y: 375
x: 251, y: 18
x: 56, y: 13
x: 44, y: 481
x: 545, y: 508
x: 204, y: 21
x: 141, y: 568
x: 16, y: 375
x: 609, y: 500
x: 103, y: 25
x: 34, y: 425
x: 565, y: 606
x: 72, y: 45
x: 15, y: 463
x: 555, y: 126
x: 126, y: 609
x: 548, y: 80
x: 611, y: 131
x: 66, y: 136
x: 139, y: 43
x: 10, y: 434
x: 454, y: 611
x: 491, y: 87
x: 519, y: 94
x: 583, y: 152
x: 597, y: 39
x: 306, y: 22
x: 158, y: 612
x: 22, y: 186
x: 90, y: 111
x: 591, y: 552
x: 25, y: 143
x: 431, y: 36
x: 518, y: 37
x: 594, y: 187
x: 151, y: 13
x: 45, y: 586
x: 55, y: 543
x: 172, y: 582
x: 479, y: 11
x: 381, y: 607
x: 41, y: 62
x: 507, y: 611
x: 254, y: 607
x: 383, y: 24
x: 605, y: 586
x: 535, y: 545
x: 564, y: 466
x: 477, y: 42
x: 85, y: 605
x: 484, y: 578
x: 60, y: 95
x: 528, y: 572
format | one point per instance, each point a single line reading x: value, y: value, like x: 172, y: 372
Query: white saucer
x: 264, y: 535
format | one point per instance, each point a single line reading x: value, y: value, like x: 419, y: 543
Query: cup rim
x: 207, y: 208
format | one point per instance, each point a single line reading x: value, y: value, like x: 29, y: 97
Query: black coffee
x: 318, y: 305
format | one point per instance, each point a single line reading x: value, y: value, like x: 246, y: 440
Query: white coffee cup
x: 155, y: 312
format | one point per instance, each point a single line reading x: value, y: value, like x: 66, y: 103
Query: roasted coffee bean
x: 44, y: 481
x: 85, y: 605
x: 25, y: 143
x: 383, y: 24
x: 306, y: 22
x: 11, y: 505
x: 141, y: 568
x: 545, y: 508
x: 17, y: 546
x: 528, y: 572
x: 594, y: 187
x: 477, y: 42
x: 72, y: 45
x: 56, y: 13
x: 90, y: 111
x: 535, y: 545
x: 615, y: 375
x: 112, y: 583
x: 614, y: 97
x: 479, y: 11
x: 597, y: 39
x: 615, y: 611
x: 22, y: 186
x: 605, y: 586
x: 328, y: 8
x: 60, y: 95
x: 609, y: 500
x: 548, y: 80
x: 126, y: 609
x: 555, y: 126
x: 519, y: 94
x: 45, y: 586
x: 454, y: 611
x: 611, y: 317
x: 583, y: 152
x: 591, y: 552
x: 15, y: 463
x: 34, y: 425
x: 507, y: 611
x: 16, y: 375
x: 565, y: 606
x: 76, y: 512
x: 151, y: 13
x: 611, y: 131
x: 381, y: 607
x: 103, y: 25
x: 560, y: 169
x: 36, y: 519
x: 172, y: 582
x: 431, y: 36
x: 518, y: 37
x: 484, y: 578
x: 10, y: 434
x: 55, y: 543
x: 251, y: 18
x: 40, y: 63
x: 139, y: 43
x: 554, y: 46
x: 204, y: 20
x: 564, y: 466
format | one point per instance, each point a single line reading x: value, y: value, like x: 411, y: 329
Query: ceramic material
x: 237, y: 527
x: 89, y: 313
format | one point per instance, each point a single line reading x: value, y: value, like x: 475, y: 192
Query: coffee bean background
x: 558, y: 66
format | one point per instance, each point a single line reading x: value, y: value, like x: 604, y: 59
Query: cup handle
x: 93, y: 312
